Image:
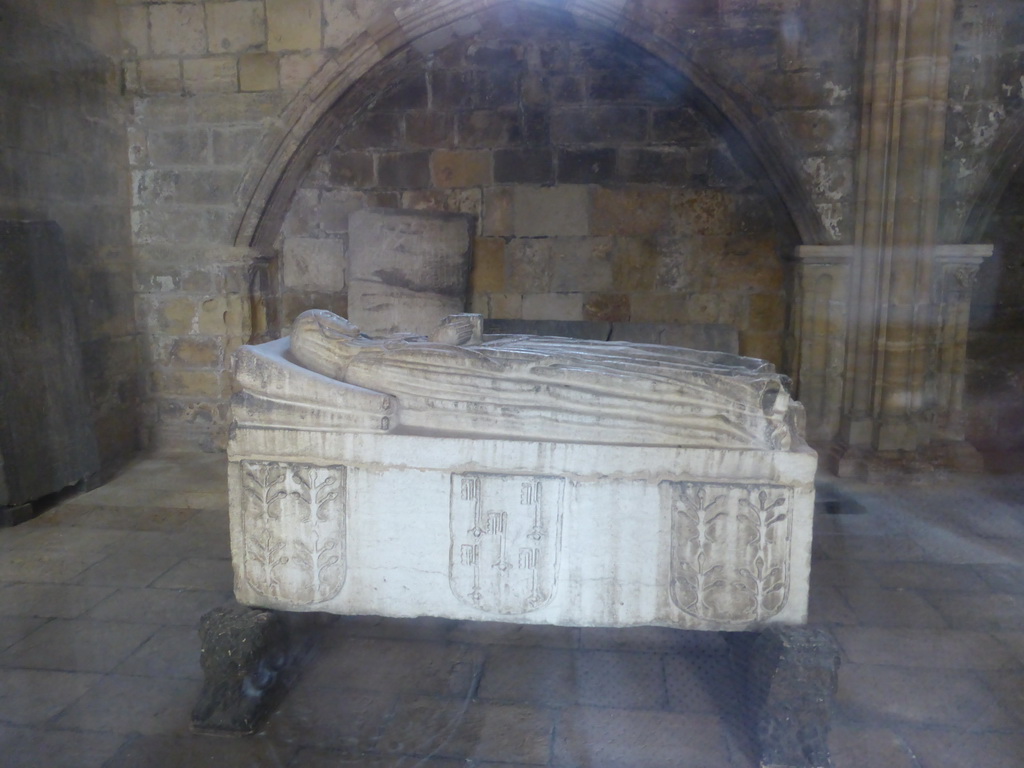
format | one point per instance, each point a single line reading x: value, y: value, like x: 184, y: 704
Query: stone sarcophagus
x: 517, y: 478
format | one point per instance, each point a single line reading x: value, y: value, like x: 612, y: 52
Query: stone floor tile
x: 530, y: 674
x: 502, y: 633
x: 621, y: 680
x: 16, y: 628
x: 994, y: 612
x: 159, y: 606
x: 63, y: 601
x: 185, y: 543
x: 826, y: 605
x: 78, y: 515
x: 34, y: 747
x: 643, y: 639
x: 121, y: 704
x: 873, y: 548
x: 126, y: 568
x: 124, y: 495
x: 869, y: 748
x: 846, y: 573
x: 201, y: 751
x: 44, y: 567
x: 942, y: 649
x: 468, y: 730
x: 395, y: 666
x: 890, y: 695
x: 1003, y: 578
x: 209, y: 573
x: 324, y: 758
x: 424, y: 629
x: 172, y: 651
x: 945, y: 748
x: 1008, y: 688
x: 587, y: 737
x: 702, y: 681
x: 77, y: 645
x: 33, y: 696
x: 81, y: 542
x: 347, y: 722
x: 928, y: 576
x: 1014, y: 641
x: 891, y: 608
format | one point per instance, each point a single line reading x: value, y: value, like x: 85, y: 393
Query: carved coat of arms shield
x: 730, y: 549
x: 505, y: 540
x: 293, y: 530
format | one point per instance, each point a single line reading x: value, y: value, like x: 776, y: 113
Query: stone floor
x: 922, y: 585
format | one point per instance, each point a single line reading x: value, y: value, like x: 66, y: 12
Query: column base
x: 938, y: 459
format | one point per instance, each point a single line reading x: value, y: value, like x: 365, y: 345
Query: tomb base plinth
x: 244, y: 653
x: 791, y: 680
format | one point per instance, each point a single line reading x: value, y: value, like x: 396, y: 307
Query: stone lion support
x: 243, y: 657
x: 792, y: 676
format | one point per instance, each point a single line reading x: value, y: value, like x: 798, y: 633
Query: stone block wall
x: 63, y: 158
x: 602, y: 188
x: 986, y: 90
x: 211, y: 83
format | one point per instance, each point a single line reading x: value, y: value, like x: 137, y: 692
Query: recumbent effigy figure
x: 459, y: 382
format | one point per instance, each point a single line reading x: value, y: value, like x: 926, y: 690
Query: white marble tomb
x: 522, y: 479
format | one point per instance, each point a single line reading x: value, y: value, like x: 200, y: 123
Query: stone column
x: 820, y: 322
x: 890, y: 398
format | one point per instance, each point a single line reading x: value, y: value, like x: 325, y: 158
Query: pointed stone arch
x: 309, y: 124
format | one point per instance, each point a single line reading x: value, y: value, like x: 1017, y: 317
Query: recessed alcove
x: 604, y: 184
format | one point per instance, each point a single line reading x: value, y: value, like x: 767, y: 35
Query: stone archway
x: 308, y: 122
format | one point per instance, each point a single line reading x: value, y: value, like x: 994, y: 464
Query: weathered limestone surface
x: 792, y: 679
x: 407, y: 268
x: 344, y: 501
x: 47, y: 440
x: 243, y: 653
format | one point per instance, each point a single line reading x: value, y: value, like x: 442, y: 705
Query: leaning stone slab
x: 519, y: 479
x: 407, y: 268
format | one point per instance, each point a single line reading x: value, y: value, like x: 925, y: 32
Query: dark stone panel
x: 598, y: 125
x: 495, y: 89
x: 373, y: 130
x: 536, y: 126
x: 573, y: 329
x: 452, y: 89
x: 523, y: 166
x: 47, y: 441
x: 653, y: 166
x: 406, y: 170
x: 586, y: 166
x: 679, y: 125
x: 427, y: 128
x: 351, y: 169
x: 488, y: 128
x: 410, y: 93
x: 497, y: 54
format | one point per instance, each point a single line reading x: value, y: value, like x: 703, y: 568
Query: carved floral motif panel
x: 293, y: 530
x: 730, y: 549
